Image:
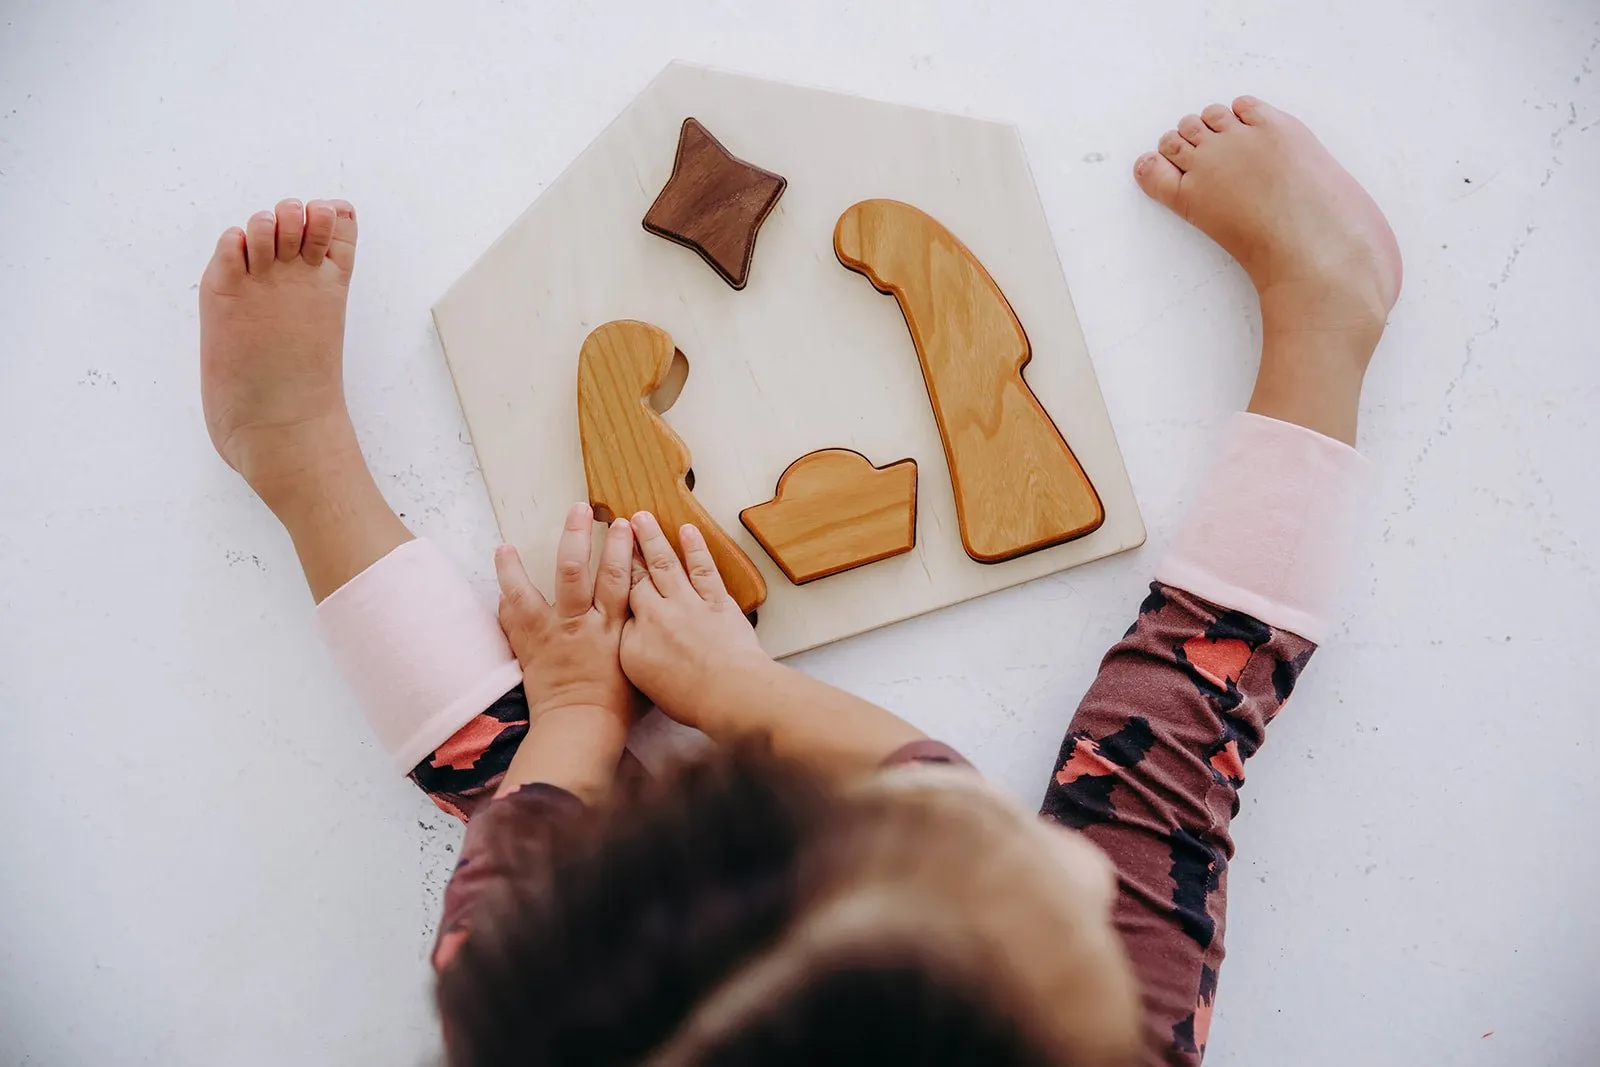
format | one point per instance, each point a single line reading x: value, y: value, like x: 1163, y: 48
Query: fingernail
x: 643, y: 519
x: 621, y: 524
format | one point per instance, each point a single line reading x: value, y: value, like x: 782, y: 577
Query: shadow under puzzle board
x: 808, y: 356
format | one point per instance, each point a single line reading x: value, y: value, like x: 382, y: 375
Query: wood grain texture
x: 807, y: 355
x: 834, y: 511
x: 1018, y: 486
x: 633, y: 460
x: 714, y: 203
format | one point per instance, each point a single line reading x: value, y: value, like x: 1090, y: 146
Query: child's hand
x: 571, y: 674
x: 691, y: 650
x: 686, y: 630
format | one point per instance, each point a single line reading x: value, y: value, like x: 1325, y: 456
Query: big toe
x: 342, y: 248
x: 1158, y: 176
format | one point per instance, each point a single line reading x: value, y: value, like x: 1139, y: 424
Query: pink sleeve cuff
x: 423, y: 653
x: 1271, y: 529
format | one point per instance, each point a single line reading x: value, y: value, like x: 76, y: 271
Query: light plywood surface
x: 806, y: 357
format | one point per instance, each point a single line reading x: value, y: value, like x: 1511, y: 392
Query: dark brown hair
x: 668, y: 931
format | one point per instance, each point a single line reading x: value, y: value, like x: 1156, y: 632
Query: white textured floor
x: 205, y: 860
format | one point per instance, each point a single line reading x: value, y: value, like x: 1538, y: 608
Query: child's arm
x: 580, y: 706
x: 693, y: 653
x: 1154, y: 758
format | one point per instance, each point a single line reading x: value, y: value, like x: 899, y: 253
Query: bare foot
x: 272, y: 304
x: 1322, y: 257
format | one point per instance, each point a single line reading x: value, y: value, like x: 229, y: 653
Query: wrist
x: 574, y: 747
x: 733, y: 697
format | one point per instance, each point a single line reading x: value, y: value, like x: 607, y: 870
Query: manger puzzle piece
x: 714, y: 203
x: 833, y: 510
x: 633, y: 460
x: 1018, y: 486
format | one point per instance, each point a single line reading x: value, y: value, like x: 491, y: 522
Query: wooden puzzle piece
x: 833, y: 510
x: 714, y: 203
x: 633, y: 460
x: 1018, y: 486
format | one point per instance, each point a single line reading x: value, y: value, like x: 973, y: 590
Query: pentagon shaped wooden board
x: 807, y: 357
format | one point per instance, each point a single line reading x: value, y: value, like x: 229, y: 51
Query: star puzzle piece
x: 714, y: 203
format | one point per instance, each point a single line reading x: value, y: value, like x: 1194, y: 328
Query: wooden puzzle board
x: 808, y: 356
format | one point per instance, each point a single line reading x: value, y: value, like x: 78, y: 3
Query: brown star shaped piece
x: 714, y: 203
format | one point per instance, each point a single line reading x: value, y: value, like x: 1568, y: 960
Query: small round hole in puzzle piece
x: 666, y: 395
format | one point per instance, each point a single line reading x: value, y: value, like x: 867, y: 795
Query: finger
x: 702, y: 568
x: 615, y: 577
x: 574, y: 583
x: 665, y: 570
x: 519, y: 599
x: 643, y: 595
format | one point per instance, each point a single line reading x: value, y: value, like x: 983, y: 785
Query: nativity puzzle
x: 833, y: 333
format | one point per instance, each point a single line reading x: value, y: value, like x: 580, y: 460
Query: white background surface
x: 204, y: 860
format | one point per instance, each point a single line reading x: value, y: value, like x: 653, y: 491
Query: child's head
x: 747, y: 912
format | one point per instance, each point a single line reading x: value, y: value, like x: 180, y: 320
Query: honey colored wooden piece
x: 833, y: 511
x: 1018, y: 486
x: 714, y: 203
x: 633, y: 461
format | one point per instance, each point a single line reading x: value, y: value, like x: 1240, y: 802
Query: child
x: 830, y: 886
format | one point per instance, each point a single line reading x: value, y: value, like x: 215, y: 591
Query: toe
x: 1219, y: 117
x: 1175, y: 148
x: 1158, y: 177
x: 1253, y: 112
x: 291, y: 227
x: 320, y: 219
x: 227, y: 262
x: 1191, y: 129
x: 342, y: 250
x: 259, y: 235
